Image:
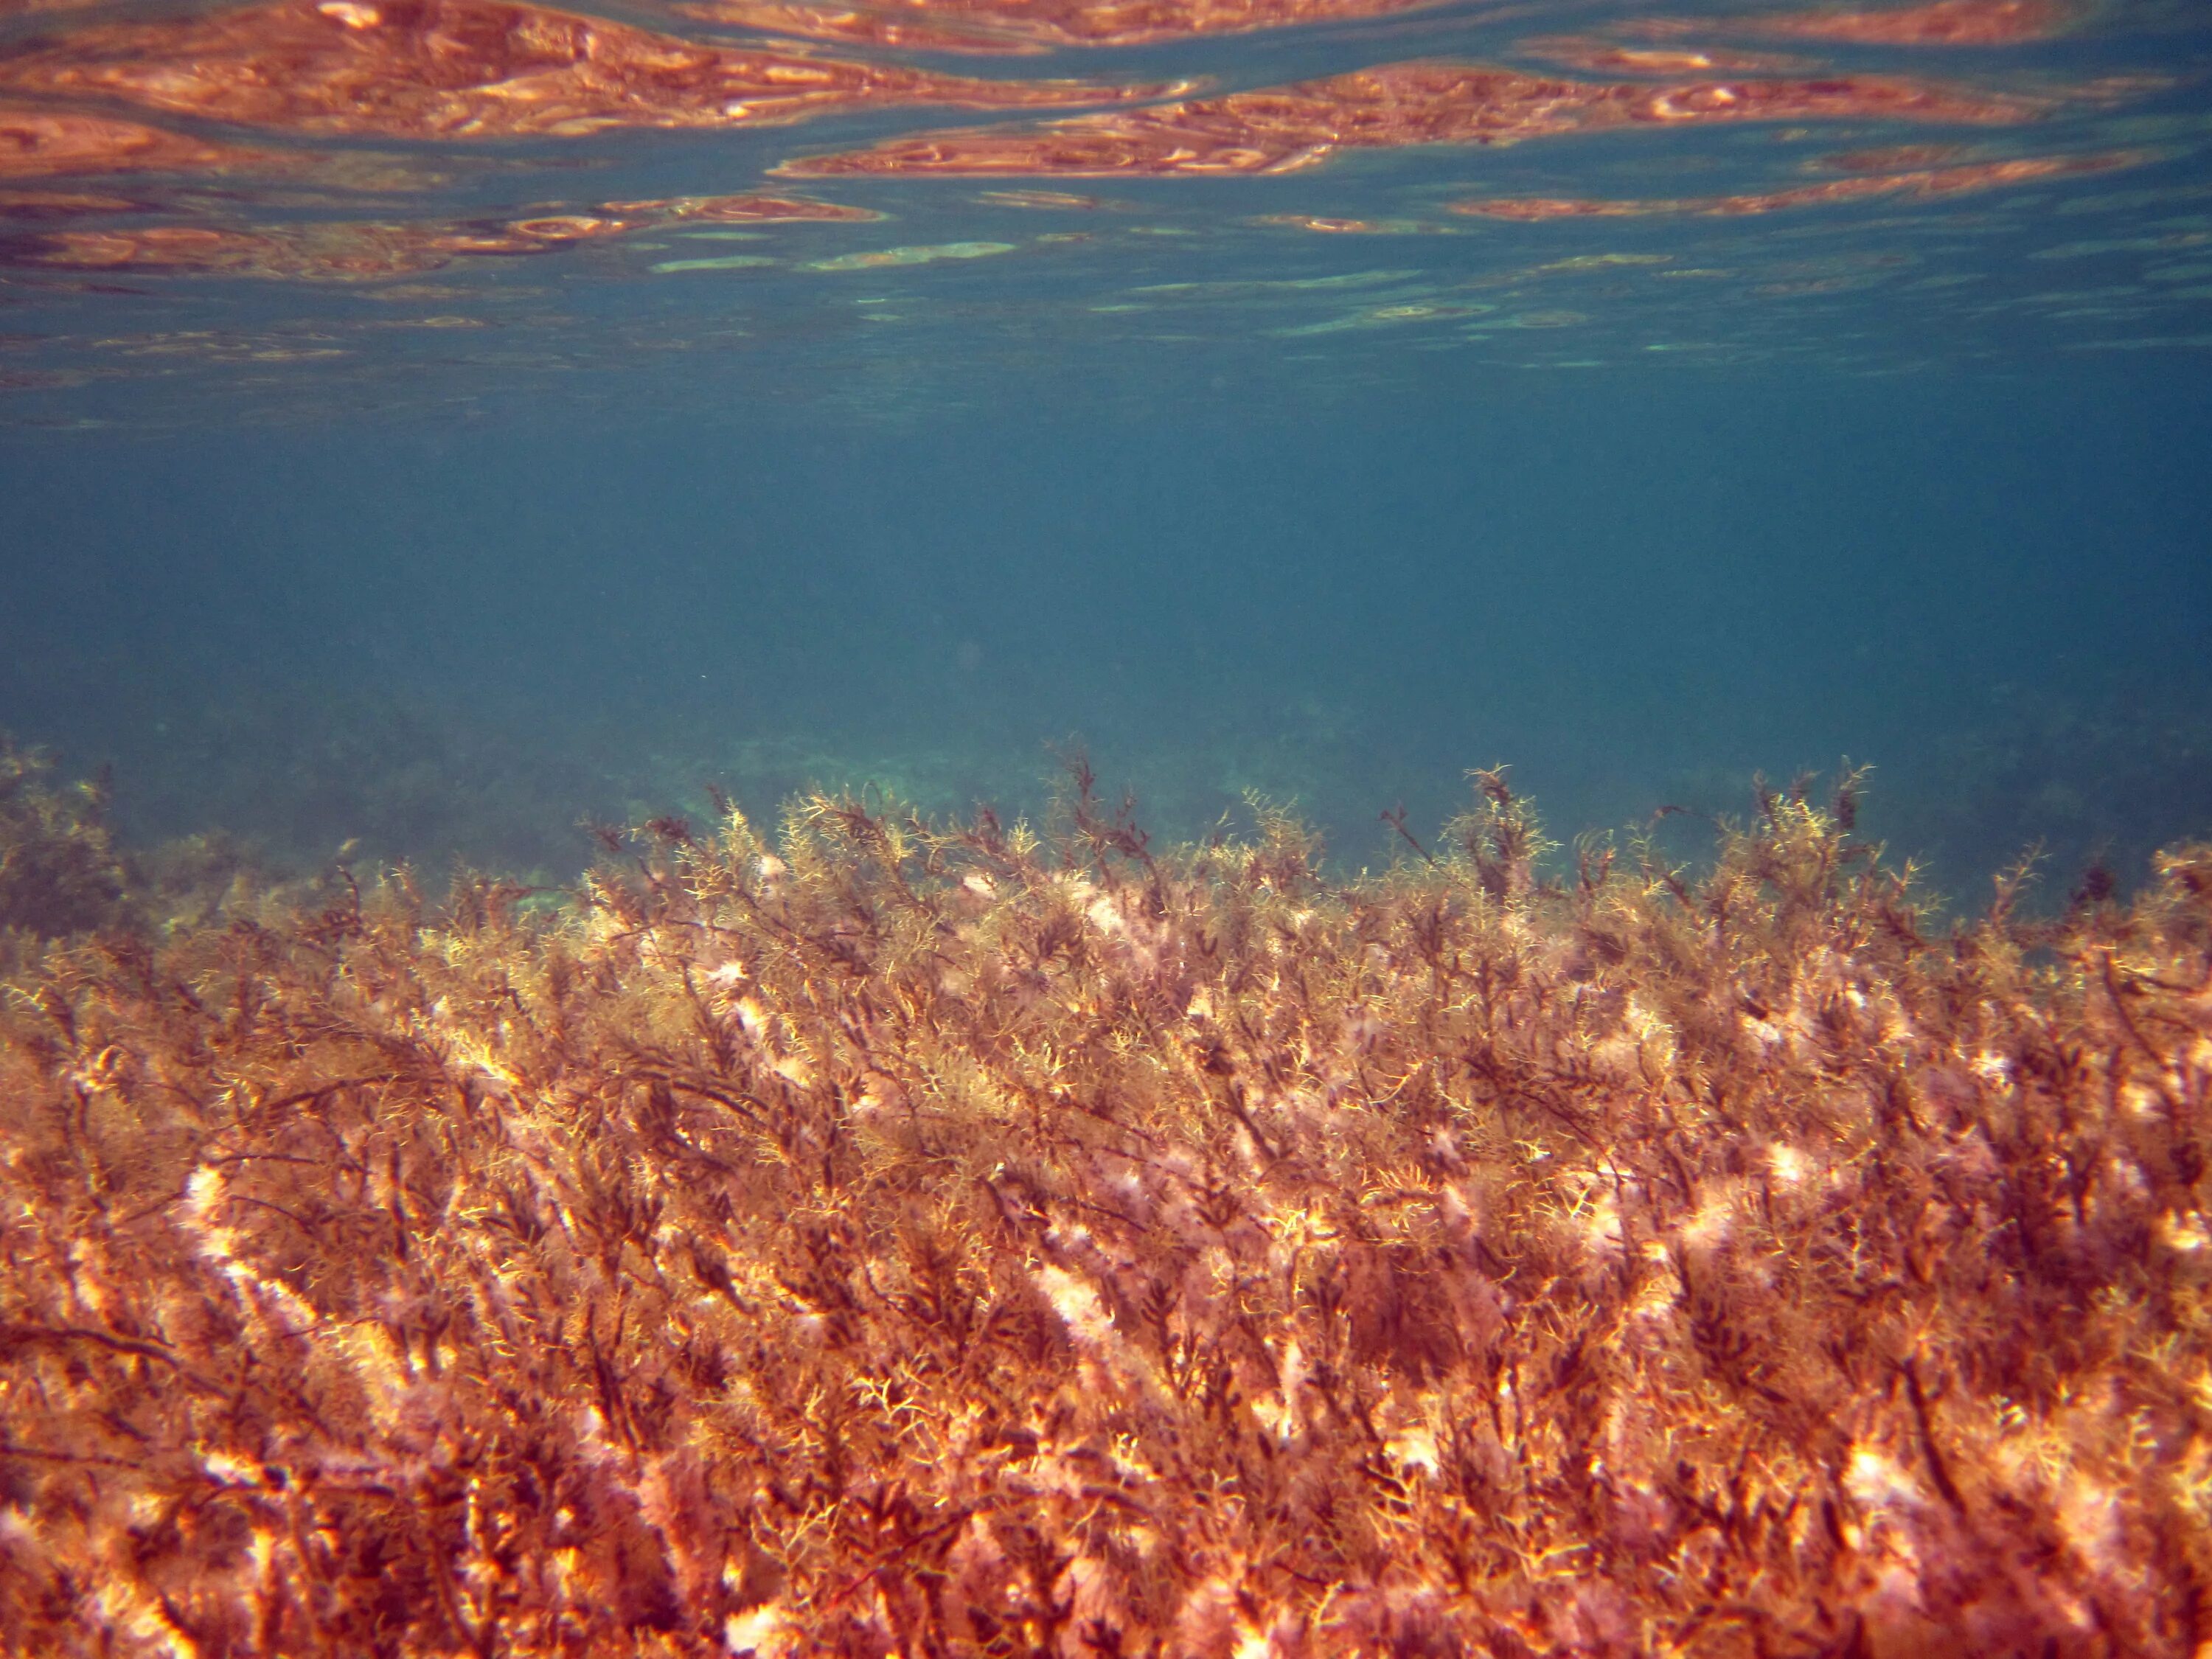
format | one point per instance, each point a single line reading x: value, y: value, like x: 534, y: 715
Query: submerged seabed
x: 889, y: 1237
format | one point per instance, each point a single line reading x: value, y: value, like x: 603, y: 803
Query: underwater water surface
x: 426, y: 425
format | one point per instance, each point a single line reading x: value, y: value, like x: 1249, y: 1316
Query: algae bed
x: 889, y: 1237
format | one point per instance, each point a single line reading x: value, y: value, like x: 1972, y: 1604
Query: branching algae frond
x: 896, y: 1238
x: 59, y: 873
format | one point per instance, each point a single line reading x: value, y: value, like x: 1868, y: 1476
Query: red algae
x: 473, y: 68
x: 1287, y: 129
x: 1012, y: 26
x: 1922, y: 183
x: 899, y: 1237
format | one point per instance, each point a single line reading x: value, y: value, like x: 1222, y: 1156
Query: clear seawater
x: 407, y: 444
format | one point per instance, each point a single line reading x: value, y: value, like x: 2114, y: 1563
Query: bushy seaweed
x: 900, y: 1238
x: 60, y: 872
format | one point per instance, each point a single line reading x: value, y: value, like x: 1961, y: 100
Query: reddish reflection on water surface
x: 1284, y: 130
x: 1941, y: 23
x: 42, y: 143
x: 471, y: 69
x: 360, y: 251
x: 1044, y: 200
x: 1012, y: 26
x: 737, y: 209
x: 1597, y: 56
x: 319, y: 252
x: 190, y: 108
x: 1890, y: 158
x: 1926, y: 182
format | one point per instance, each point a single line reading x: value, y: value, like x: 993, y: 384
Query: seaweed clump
x: 901, y: 1238
x: 60, y: 872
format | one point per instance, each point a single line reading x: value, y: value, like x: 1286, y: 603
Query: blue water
x: 443, y: 561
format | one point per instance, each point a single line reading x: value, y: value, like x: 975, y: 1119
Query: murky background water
x: 434, y: 424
